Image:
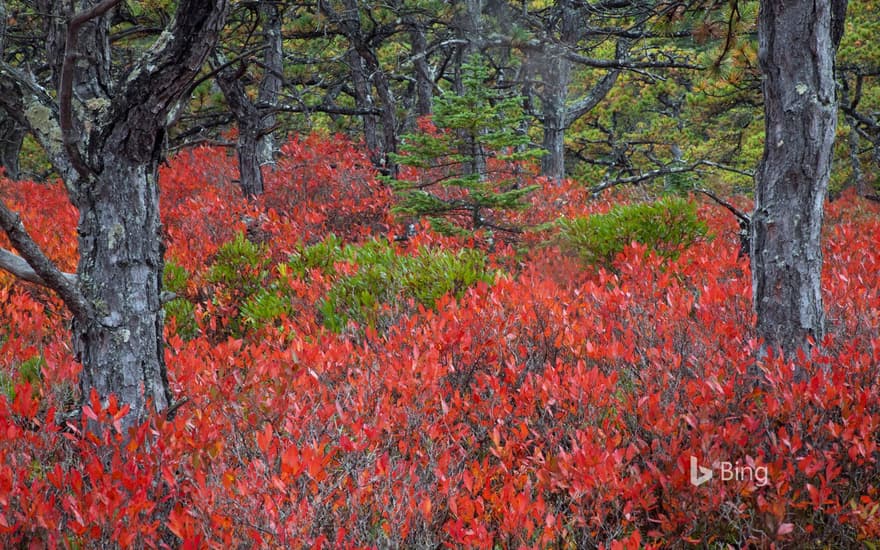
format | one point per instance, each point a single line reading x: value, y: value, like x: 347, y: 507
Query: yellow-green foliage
x: 182, y: 311
x: 665, y: 226
x: 28, y: 371
x: 384, y: 283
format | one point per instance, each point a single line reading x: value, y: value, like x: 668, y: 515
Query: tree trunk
x: 424, y: 85
x: 255, y: 147
x: 796, y: 54
x: 247, y: 116
x: 556, y: 77
x: 120, y: 273
x: 11, y: 138
x: 367, y: 73
x: 106, y: 136
x: 249, y: 149
x: 363, y: 100
x: 389, y: 105
x: 270, y: 84
x: 11, y: 132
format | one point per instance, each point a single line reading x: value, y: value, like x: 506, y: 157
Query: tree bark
x: 121, y: 262
x: 270, y: 85
x: 796, y: 53
x: 255, y: 147
x: 363, y: 100
x: 556, y: 78
x: 424, y: 80
x: 11, y: 139
x: 558, y: 115
x: 106, y: 137
x: 250, y: 128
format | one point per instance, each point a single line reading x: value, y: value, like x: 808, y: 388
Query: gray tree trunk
x: 558, y: 115
x: 106, y: 137
x: 270, y: 84
x: 366, y: 73
x: 424, y: 85
x: 797, y: 45
x: 120, y: 271
x: 556, y: 77
x: 363, y: 100
x: 250, y: 128
x: 121, y: 264
x: 255, y: 147
x: 11, y: 132
x: 11, y: 139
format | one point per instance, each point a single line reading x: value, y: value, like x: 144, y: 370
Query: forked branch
x: 65, y: 88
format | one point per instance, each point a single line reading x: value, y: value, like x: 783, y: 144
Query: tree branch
x: 20, y: 268
x: 47, y: 274
x: 666, y: 170
x: 35, y: 109
x: 138, y: 112
x: 65, y: 88
x: 599, y: 91
x: 588, y: 102
x: 741, y: 216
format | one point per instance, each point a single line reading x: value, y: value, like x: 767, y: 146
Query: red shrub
x: 558, y: 406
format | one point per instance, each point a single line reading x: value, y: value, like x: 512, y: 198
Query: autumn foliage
x: 553, y: 406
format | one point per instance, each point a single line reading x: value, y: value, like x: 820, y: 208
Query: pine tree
x: 466, y: 164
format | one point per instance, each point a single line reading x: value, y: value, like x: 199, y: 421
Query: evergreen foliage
x: 175, y: 279
x: 384, y: 284
x: 665, y: 226
x: 469, y: 159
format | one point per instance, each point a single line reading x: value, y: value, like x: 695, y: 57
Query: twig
x: 743, y: 218
x: 172, y: 410
x: 666, y: 170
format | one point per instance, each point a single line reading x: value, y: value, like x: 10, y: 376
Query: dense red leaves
x: 560, y: 406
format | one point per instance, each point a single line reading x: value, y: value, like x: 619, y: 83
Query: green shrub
x: 183, y: 313
x: 240, y: 264
x: 265, y: 307
x: 385, y: 283
x: 433, y: 273
x: 240, y: 275
x: 322, y: 256
x: 665, y: 226
x: 29, y: 370
x: 175, y: 279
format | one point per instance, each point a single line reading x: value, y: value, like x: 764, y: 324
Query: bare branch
x: 46, y: 272
x: 20, y: 268
x: 599, y: 91
x: 225, y: 64
x: 65, y: 88
x: 621, y: 64
x: 666, y: 170
x: 740, y: 215
x: 644, y: 176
